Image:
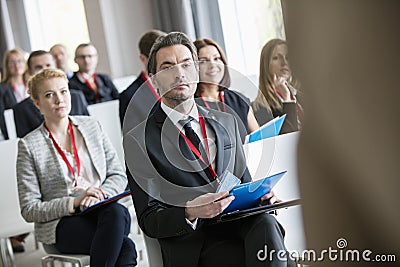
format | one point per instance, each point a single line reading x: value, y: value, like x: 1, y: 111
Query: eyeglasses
x: 15, y: 62
x: 85, y: 56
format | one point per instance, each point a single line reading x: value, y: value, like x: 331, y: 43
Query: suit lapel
x: 170, y: 137
x: 221, y: 140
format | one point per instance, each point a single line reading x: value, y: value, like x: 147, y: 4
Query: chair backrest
x: 11, y: 222
x: 153, y: 251
x: 107, y: 113
x: 10, y: 123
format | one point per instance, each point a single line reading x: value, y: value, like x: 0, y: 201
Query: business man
x: 61, y: 56
x: 141, y: 90
x: 174, y: 176
x: 97, y: 87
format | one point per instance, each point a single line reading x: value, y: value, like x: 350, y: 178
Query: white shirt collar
x: 176, y: 116
x: 83, y: 76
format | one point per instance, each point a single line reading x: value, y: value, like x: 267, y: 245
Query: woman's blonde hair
x: 6, y: 58
x: 34, y: 83
x: 265, y: 84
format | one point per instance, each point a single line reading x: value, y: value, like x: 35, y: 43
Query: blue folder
x: 270, y: 129
x: 249, y: 194
x: 105, y: 201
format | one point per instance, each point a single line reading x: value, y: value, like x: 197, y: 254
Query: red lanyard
x: 64, y: 157
x: 150, y: 87
x: 196, y: 151
x: 91, y: 86
x: 221, y: 96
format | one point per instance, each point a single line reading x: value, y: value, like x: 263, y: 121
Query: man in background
x: 96, y: 87
x: 61, y: 56
x: 144, y: 92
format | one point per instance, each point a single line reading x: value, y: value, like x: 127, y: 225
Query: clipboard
x: 105, y: 202
x: 248, y: 195
x: 239, y: 214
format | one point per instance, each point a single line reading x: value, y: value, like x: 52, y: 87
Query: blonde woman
x: 13, y: 88
x: 65, y: 165
x: 278, y: 89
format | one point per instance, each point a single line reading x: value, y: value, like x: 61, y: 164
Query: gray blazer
x: 41, y: 184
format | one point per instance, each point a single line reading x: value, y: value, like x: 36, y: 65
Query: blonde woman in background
x: 13, y: 88
x: 278, y: 89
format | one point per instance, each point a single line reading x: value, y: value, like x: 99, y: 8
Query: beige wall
x: 115, y: 27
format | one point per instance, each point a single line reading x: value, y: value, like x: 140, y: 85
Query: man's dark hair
x: 172, y: 38
x: 35, y: 54
x: 147, y: 40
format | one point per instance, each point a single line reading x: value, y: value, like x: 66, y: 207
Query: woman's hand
x: 89, y: 197
x: 282, y: 89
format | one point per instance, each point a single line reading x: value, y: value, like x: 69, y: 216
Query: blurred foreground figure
x: 346, y: 55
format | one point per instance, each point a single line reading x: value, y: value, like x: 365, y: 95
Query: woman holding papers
x: 278, y: 89
x: 212, y: 90
x: 65, y: 165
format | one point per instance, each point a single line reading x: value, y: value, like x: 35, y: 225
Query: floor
x: 32, y: 256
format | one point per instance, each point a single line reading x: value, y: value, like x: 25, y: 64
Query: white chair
x: 273, y: 155
x: 153, y: 251
x: 11, y: 223
x: 54, y: 256
x: 107, y: 113
x: 10, y: 123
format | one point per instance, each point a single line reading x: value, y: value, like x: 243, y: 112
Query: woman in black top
x: 212, y: 90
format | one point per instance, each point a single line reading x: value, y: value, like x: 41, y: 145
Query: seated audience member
x: 74, y: 158
x: 3, y: 128
x: 13, y: 90
x: 146, y: 97
x: 212, y: 90
x: 13, y: 87
x: 61, y: 56
x: 278, y: 89
x: 95, y: 86
x: 27, y: 116
x: 173, y: 191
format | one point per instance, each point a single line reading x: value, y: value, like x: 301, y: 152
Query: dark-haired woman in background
x: 212, y: 90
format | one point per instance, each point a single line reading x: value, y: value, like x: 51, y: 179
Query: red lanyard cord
x: 64, y: 157
x: 221, y: 96
x: 94, y: 77
x: 148, y: 83
x: 196, y: 151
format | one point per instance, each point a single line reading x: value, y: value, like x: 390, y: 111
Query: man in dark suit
x: 96, y: 87
x: 26, y: 116
x: 175, y: 176
x: 145, y: 98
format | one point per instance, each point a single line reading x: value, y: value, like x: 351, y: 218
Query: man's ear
x: 144, y: 60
